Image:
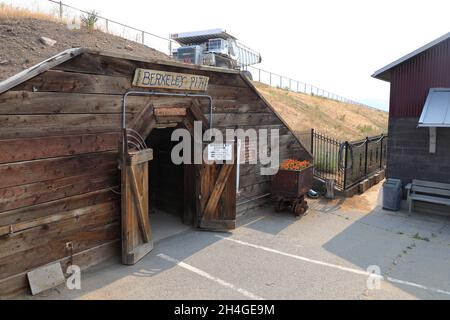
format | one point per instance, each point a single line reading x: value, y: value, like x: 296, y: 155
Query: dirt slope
x: 336, y: 119
x: 20, y: 46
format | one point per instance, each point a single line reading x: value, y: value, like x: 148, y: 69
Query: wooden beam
x: 142, y: 117
x: 57, y: 206
x: 28, y: 102
x: 169, y: 119
x: 14, y: 150
x: 219, y: 186
x: 32, y: 126
x: 148, y: 127
x: 50, y: 190
x: 139, y: 205
x: 162, y: 62
x: 138, y: 157
x: 169, y: 111
x: 198, y: 114
x: 56, y: 248
x: 18, y: 284
x: 22, y: 226
x: 27, y: 172
x: 39, y: 68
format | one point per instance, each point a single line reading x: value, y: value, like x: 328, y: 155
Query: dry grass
x: 336, y: 119
x: 8, y: 12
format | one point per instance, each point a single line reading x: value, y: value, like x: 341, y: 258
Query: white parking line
x: 252, y: 222
x: 210, y: 277
x: 335, y: 266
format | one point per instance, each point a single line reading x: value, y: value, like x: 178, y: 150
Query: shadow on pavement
x: 409, y: 247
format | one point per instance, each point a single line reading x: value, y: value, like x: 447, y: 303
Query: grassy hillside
x: 339, y: 120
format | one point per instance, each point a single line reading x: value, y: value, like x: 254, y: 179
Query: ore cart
x: 289, y: 189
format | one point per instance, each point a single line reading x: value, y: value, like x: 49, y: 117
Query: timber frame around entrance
x: 210, y: 189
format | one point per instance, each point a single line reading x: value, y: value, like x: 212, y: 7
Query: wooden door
x: 136, y: 231
x: 216, y: 189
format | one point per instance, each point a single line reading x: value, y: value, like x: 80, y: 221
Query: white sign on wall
x: 220, y: 152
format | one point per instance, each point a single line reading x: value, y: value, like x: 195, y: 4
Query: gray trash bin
x: 392, y: 194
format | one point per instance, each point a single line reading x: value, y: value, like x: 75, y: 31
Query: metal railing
x: 279, y: 81
x: 71, y: 15
x: 345, y: 162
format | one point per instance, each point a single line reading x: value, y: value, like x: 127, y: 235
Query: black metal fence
x: 348, y: 162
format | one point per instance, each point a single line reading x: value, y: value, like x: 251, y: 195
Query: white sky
x: 334, y: 45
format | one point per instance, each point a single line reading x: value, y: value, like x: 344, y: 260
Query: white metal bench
x: 427, y: 191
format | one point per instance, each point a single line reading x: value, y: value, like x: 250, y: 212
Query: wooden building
x: 74, y: 184
x: 419, y: 113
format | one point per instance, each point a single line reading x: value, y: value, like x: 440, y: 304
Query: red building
x: 419, y: 114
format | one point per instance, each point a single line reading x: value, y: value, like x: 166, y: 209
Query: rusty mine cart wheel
x: 300, y: 207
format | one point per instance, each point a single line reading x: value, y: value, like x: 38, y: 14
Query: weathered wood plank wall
x: 59, y: 179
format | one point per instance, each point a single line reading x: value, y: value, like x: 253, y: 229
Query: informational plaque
x: 220, y: 152
x: 146, y: 78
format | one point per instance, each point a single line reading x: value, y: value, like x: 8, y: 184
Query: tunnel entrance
x: 161, y: 199
x: 166, y: 187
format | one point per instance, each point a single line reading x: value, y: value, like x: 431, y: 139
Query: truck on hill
x: 215, y: 48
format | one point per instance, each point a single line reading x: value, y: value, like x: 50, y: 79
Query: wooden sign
x: 146, y: 78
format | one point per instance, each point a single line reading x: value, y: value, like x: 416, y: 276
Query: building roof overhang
x: 385, y: 72
x: 436, y: 112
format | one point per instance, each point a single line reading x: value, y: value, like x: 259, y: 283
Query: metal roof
x: 200, y: 36
x: 436, y: 112
x: 384, y: 73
